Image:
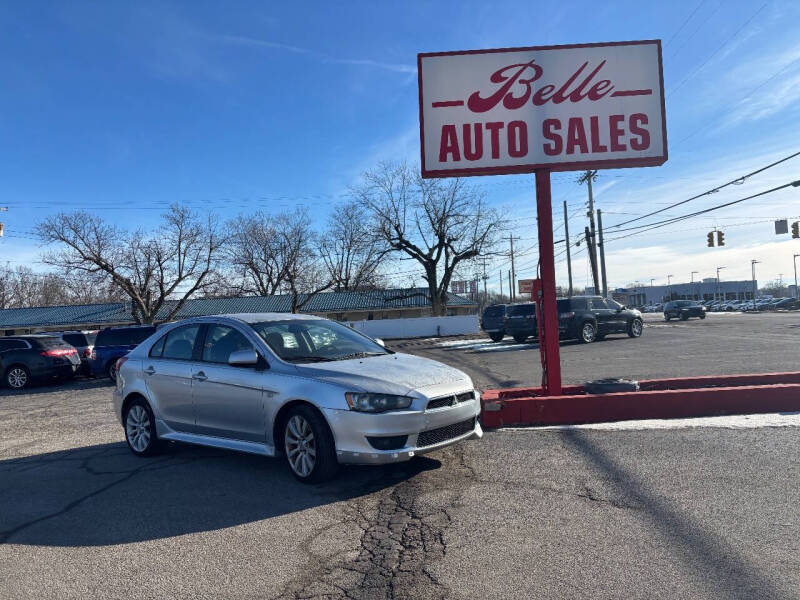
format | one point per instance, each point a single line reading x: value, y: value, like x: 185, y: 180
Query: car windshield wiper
x: 308, y: 359
x: 359, y: 355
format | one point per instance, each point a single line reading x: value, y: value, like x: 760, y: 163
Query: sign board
x: 525, y: 286
x: 514, y: 110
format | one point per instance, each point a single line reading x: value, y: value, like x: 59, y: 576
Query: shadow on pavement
x: 729, y: 574
x: 101, y: 495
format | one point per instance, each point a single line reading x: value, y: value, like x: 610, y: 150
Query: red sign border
x: 613, y: 163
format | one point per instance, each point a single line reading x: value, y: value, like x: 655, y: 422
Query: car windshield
x: 315, y: 341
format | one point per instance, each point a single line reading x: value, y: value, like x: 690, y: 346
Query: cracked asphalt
x: 685, y: 513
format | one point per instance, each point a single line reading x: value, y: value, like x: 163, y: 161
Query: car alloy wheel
x: 112, y: 371
x: 588, y: 333
x: 636, y: 328
x: 17, y: 378
x: 138, y: 428
x: 301, y: 446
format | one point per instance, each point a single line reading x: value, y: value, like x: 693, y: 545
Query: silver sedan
x: 312, y: 390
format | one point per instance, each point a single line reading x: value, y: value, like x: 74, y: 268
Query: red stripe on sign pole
x: 447, y: 103
x: 632, y: 93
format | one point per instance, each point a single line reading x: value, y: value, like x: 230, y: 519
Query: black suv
x: 683, y: 309
x: 25, y: 358
x: 590, y: 318
x: 493, y: 321
x: 521, y: 321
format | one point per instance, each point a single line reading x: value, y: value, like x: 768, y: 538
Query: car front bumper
x: 351, y: 429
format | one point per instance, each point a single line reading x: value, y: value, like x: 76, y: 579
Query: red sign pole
x: 548, y: 340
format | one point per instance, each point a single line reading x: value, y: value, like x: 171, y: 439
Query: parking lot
x: 707, y: 511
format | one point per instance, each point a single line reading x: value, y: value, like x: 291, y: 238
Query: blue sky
x: 123, y: 108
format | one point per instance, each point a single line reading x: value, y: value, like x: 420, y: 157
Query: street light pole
x: 796, y: 292
x: 717, y: 294
x: 669, y: 287
x: 753, y: 264
x: 693, y: 274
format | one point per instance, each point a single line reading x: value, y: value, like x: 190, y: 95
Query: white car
x: 315, y: 391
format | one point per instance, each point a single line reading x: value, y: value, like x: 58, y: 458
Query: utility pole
x: 717, y: 295
x: 592, y: 260
x: 512, y: 292
x: 669, y: 287
x: 796, y: 293
x: 602, y: 253
x: 501, y: 285
x: 566, y: 241
x: 753, y: 264
x: 587, y: 178
x: 510, y: 296
x: 693, y: 274
x: 485, y: 295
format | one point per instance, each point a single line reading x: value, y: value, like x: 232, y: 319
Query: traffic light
x: 796, y: 229
x: 720, y: 238
x: 710, y: 239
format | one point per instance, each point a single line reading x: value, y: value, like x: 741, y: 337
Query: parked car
x: 315, y: 391
x: 683, y: 310
x: 590, y: 318
x: 83, y: 341
x: 28, y: 358
x: 493, y: 321
x: 521, y: 321
x: 113, y: 343
x: 787, y: 304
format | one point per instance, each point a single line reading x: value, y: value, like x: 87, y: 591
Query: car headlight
x: 376, y: 403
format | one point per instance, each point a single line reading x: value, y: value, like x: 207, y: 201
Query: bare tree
x: 352, y: 248
x: 439, y: 223
x: 304, y: 272
x: 174, y: 262
x: 22, y: 287
x: 254, y: 251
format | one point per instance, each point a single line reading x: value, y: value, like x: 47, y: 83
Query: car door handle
x: 149, y: 370
x: 200, y: 376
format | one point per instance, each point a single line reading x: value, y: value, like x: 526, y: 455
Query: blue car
x: 112, y: 344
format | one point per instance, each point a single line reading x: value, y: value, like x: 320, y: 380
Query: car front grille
x: 451, y: 400
x: 442, y: 434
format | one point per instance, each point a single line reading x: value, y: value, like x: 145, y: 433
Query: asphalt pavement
x: 692, y: 512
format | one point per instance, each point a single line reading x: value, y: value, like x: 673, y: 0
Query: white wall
x: 392, y: 329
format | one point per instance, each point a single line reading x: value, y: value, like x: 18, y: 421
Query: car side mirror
x: 243, y: 358
x: 380, y: 342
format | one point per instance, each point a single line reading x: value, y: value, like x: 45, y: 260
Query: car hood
x: 387, y: 374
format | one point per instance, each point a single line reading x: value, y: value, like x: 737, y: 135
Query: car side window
x: 5, y: 345
x: 613, y: 304
x: 598, y: 304
x: 221, y: 341
x: 179, y: 344
x: 158, y: 348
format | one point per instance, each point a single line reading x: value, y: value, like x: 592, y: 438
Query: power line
x: 674, y: 35
x: 737, y: 181
x: 659, y: 224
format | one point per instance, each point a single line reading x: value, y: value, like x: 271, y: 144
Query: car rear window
x: 494, y: 311
x: 76, y: 339
x: 50, y: 342
x: 123, y: 337
x: 520, y: 310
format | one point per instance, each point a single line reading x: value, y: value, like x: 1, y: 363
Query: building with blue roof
x: 341, y: 306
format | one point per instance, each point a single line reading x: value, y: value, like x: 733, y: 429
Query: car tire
x: 635, y: 328
x: 610, y: 386
x: 140, y: 428
x: 667, y: 317
x: 17, y: 377
x: 111, y: 370
x: 520, y: 339
x: 308, y: 445
x: 496, y: 337
x: 703, y: 315
x: 588, y: 332
x: 684, y: 316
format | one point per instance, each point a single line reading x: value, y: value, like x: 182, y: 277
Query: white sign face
x: 485, y: 112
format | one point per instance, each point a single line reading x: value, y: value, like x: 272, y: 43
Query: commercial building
x: 341, y: 306
x: 707, y: 289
